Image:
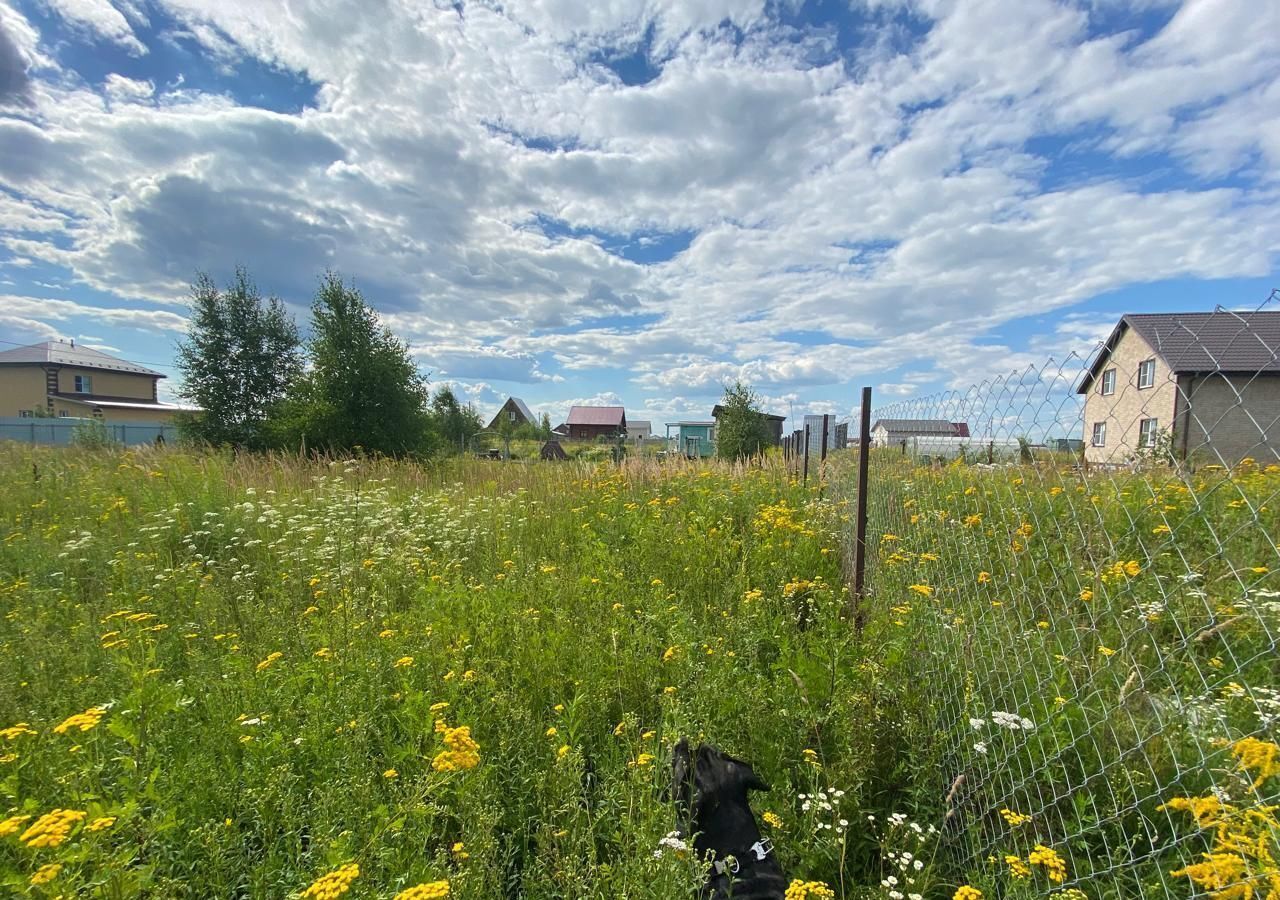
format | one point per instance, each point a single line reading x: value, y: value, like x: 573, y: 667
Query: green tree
x: 239, y: 358
x: 742, y: 430
x: 362, y: 388
x: 453, y: 422
x: 544, y: 427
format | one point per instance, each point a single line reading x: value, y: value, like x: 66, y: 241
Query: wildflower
x: 1015, y: 818
x: 462, y: 753
x: 403, y: 662
x: 1161, y: 529
x: 100, y: 824
x: 334, y: 884
x: 459, y: 851
x: 1255, y: 756
x: 436, y: 707
x: 1106, y: 651
x: 1218, y: 871
x: 551, y: 732
x: 964, y: 892
x: 12, y: 825
x: 811, y: 757
x: 1055, y: 866
x: 772, y: 820
x: 323, y: 653
x: 386, y: 633
x: 1017, y: 868
x: 1086, y: 595
x: 647, y: 736
x: 668, y: 690
x: 85, y: 721
x: 671, y: 653
x: 563, y: 751
x: 643, y: 760
x: 47, y: 873
x: 391, y: 773
x: 984, y: 577
x: 804, y: 890
x: 52, y: 828
x: 13, y: 732
x: 922, y: 589
x: 269, y: 661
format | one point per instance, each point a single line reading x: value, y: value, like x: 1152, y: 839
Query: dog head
x: 707, y: 777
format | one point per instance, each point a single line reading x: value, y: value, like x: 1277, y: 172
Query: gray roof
x: 916, y: 426
x: 524, y: 410
x: 639, y: 427
x: 1221, y: 341
x: 64, y: 353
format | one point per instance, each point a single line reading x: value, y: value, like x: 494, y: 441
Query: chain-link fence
x: 1085, y: 556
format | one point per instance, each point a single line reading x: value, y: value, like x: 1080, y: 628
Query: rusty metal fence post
x: 860, y: 534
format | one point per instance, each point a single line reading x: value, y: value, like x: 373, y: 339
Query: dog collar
x: 730, y: 865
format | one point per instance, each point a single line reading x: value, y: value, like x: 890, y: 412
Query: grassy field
x: 272, y: 678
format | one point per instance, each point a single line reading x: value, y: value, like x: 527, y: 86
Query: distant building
x: 895, y: 432
x: 639, y: 430
x: 57, y: 378
x: 694, y: 439
x: 1207, y: 385
x: 513, y: 414
x: 553, y: 451
x: 586, y: 423
x: 773, y: 421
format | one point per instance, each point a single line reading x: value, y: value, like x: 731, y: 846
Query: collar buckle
x: 729, y: 864
x: 761, y: 848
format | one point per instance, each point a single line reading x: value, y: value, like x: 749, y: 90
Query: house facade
x: 513, y: 414
x: 696, y: 440
x: 1198, y: 386
x: 587, y: 423
x: 57, y: 378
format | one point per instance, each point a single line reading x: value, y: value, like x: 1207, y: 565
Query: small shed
x: 553, y: 450
x: 695, y: 439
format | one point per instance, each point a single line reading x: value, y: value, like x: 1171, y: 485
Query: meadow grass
x: 276, y: 677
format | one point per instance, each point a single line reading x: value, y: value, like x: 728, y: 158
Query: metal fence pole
x: 860, y: 538
x: 806, y: 454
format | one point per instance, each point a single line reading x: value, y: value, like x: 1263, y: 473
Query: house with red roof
x: 587, y: 423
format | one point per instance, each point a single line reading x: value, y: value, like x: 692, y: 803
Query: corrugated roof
x: 596, y: 415
x: 129, y: 404
x: 1219, y: 341
x: 639, y: 427
x: 918, y: 426
x: 63, y: 353
x: 524, y: 410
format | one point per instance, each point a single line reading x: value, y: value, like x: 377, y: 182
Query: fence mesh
x: 1085, y: 554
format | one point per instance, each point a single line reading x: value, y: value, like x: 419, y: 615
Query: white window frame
x: 511, y: 415
x: 26, y: 414
x: 83, y: 384
x: 1146, y: 439
x: 1099, y: 431
x: 1108, y: 386
x: 1149, y: 366
x: 63, y: 414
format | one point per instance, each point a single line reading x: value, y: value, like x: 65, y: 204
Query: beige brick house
x: 60, y: 379
x: 1205, y: 386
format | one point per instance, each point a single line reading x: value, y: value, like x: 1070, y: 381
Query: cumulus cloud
x: 834, y: 213
x: 15, y: 85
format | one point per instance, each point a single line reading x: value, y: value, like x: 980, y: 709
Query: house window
x: 63, y: 414
x: 511, y: 415
x: 1109, y: 382
x: 1147, y: 373
x: 84, y: 384
x: 1099, y: 434
x: 1147, y: 431
x: 26, y: 413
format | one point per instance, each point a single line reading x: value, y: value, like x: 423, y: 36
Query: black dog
x: 710, y: 790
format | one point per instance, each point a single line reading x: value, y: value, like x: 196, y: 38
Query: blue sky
x: 634, y: 201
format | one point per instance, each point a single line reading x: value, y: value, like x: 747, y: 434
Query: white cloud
x: 99, y: 19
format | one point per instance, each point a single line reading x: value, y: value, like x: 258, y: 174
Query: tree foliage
x: 742, y: 430
x: 453, y: 422
x: 362, y: 389
x: 239, y: 357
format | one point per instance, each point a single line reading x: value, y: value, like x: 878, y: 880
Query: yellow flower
x: 1260, y: 757
x: 391, y: 773
x: 671, y: 653
x: 402, y: 662
x: 643, y: 760
x: 1086, y: 595
x: 462, y: 753
x: 1017, y: 868
x: 13, y: 732
x: 964, y: 892
x: 101, y: 823
x: 459, y: 851
x: 334, y: 884
x: 1106, y: 651
x: 271, y: 658
x: 552, y: 731
x: 85, y: 721
x: 12, y: 825
x: 1218, y: 872
x: 984, y: 577
x: 386, y: 633
x: 811, y: 757
x: 809, y: 890
x: 563, y: 751
x: 45, y: 874
x: 1055, y: 866
x: 324, y: 653
x: 922, y: 589
x: 436, y: 707
x: 772, y: 820
x: 1015, y: 818
x: 52, y: 828
x: 431, y: 890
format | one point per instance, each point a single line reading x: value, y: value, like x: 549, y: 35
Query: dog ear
x: 681, y: 761
x: 750, y: 780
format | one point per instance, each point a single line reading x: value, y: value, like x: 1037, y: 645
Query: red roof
x: 596, y: 415
x: 961, y: 429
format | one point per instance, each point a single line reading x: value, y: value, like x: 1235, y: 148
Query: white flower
x: 895, y: 895
x: 980, y: 746
x: 919, y: 864
x: 977, y: 723
x: 915, y: 896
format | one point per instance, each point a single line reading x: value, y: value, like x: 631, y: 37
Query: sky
x: 636, y: 201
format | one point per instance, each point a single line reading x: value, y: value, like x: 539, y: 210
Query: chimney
x: 73, y: 343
